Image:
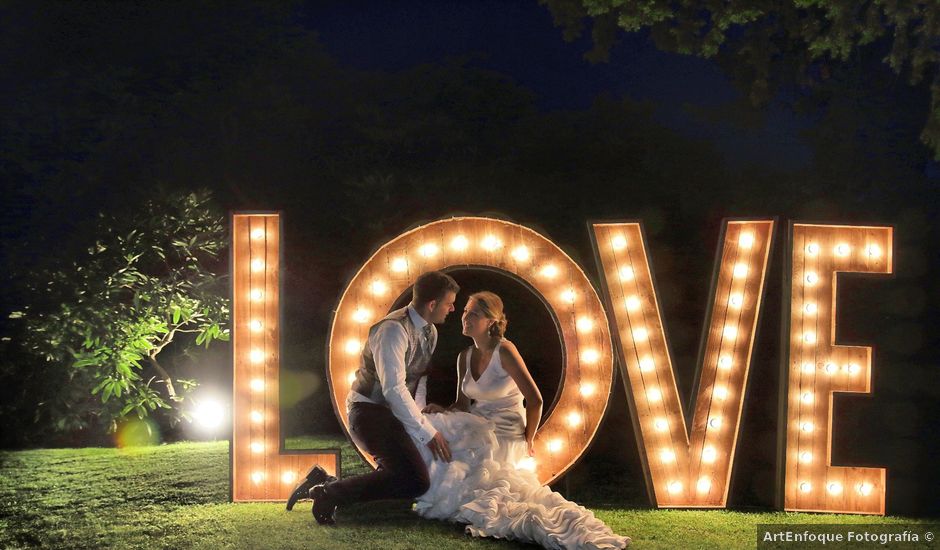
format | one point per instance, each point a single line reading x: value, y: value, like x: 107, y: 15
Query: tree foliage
x: 772, y: 42
x: 107, y: 317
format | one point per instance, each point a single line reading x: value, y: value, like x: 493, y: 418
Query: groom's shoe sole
x: 315, y: 476
x: 324, y: 506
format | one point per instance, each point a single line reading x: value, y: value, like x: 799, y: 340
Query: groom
x: 384, y: 406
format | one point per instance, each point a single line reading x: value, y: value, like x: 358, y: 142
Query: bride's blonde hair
x: 492, y: 307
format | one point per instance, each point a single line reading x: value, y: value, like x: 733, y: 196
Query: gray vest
x: 417, y: 358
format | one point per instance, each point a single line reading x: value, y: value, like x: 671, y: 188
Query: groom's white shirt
x: 388, y: 344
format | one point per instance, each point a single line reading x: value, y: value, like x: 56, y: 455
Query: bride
x: 490, y: 483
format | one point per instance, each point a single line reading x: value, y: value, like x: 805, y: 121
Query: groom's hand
x: 439, y: 447
x: 434, y: 408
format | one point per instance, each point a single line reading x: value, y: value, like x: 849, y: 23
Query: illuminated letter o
x: 587, y: 361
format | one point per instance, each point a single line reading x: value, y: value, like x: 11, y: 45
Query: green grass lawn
x: 176, y: 496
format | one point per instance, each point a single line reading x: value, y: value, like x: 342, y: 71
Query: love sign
x: 685, y: 464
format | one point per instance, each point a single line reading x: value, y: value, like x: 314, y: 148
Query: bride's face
x: 475, y: 323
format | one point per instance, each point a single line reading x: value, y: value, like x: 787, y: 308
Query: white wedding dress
x: 482, y: 485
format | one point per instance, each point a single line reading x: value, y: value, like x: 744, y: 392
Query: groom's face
x: 441, y: 308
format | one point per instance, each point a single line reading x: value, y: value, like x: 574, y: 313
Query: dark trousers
x: 401, y: 472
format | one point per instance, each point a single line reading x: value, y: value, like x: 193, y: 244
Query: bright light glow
x: 834, y: 488
x: 256, y: 325
x: 704, y: 484
x: 361, y: 315
x: 674, y: 487
x: 353, y: 346
x: 807, y: 397
x: 288, y: 477
x: 569, y: 296
x: 626, y: 273
x: 257, y: 384
x: 633, y: 303
x: 807, y: 427
x: 590, y: 356
x: 853, y: 368
x: 640, y: 334
x: 812, y: 249
x: 714, y: 422
x: 460, y: 243
x: 746, y: 240
x: 587, y: 389
x: 654, y: 394
x: 740, y: 270
x: 257, y: 233
x: 811, y: 278
x: 549, y: 271
x: 667, y: 456
x: 810, y: 308
x: 806, y: 457
x: 873, y: 251
x: 735, y: 300
x: 378, y: 287
x: 725, y: 361
x: 842, y: 250
x: 709, y: 454
x: 491, y: 243
x: 584, y: 324
x: 400, y: 265
x: 864, y: 489
x: 647, y: 364
x: 806, y: 487
x: 527, y: 463
x: 257, y: 295
x: 554, y: 445
x: 830, y: 368
x: 257, y: 447
x: 256, y: 356
x: 351, y: 377
x: 721, y: 392
x: 809, y: 337
x: 428, y: 250
x: 257, y: 417
x: 660, y: 424
x: 808, y: 368
x: 574, y: 419
x: 257, y: 264
x: 730, y: 331
x: 209, y: 414
x: 521, y: 253
x: 619, y: 242
x: 257, y: 477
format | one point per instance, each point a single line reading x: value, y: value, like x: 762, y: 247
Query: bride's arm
x: 462, y: 402
x: 514, y: 365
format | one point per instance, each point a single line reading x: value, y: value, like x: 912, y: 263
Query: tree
x: 108, y: 318
x: 772, y: 42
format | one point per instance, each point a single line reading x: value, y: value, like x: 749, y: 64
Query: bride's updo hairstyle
x: 492, y: 307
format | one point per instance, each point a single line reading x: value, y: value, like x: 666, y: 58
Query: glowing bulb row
x: 835, y: 488
x: 843, y: 250
x: 831, y: 368
x: 286, y: 477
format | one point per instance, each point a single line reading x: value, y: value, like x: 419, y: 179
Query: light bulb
x: 590, y: 356
x: 256, y: 325
x: 351, y: 377
x: 807, y: 397
x: 660, y: 424
x: 587, y: 389
x: 806, y: 487
x: 288, y: 477
x: 654, y: 394
x: 257, y: 447
x: 619, y: 242
x: 549, y: 271
x: 257, y: 417
x: 812, y: 249
x: 257, y: 233
x: 256, y: 356
x: 809, y: 337
x: 834, y: 488
x: 864, y: 488
x: 633, y: 303
x: 353, y: 346
x: 569, y: 296
x: 257, y: 477
x: 735, y: 300
x: 257, y: 295
x: 810, y: 308
x: 459, y: 243
x: 807, y: 427
x: 574, y: 419
x: 806, y: 457
x: 746, y: 240
x: 853, y: 368
x: 674, y: 487
x: 720, y: 392
x: 520, y: 253
x: 704, y: 484
x: 808, y: 368
x: 361, y: 315
x: 584, y: 324
x: 667, y: 456
x: 725, y: 361
x: 400, y: 265
x: 709, y: 454
x: 647, y: 364
x: 428, y: 250
x: 842, y: 250
x: 740, y: 270
x: 830, y: 368
x: 873, y: 251
x: 256, y: 384
x: 730, y: 331
x: 811, y: 278
x: 378, y: 287
x: 640, y: 334
x: 626, y: 274
x: 554, y: 445
x: 490, y: 243
x: 714, y: 422
x: 257, y: 265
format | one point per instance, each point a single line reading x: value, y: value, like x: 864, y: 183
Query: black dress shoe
x: 315, y: 476
x: 324, y: 505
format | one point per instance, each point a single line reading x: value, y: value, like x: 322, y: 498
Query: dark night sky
x: 519, y: 39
